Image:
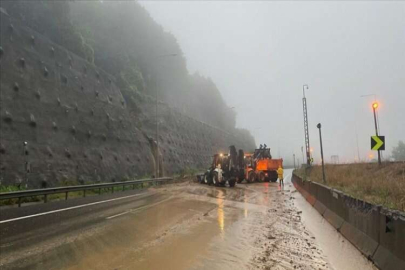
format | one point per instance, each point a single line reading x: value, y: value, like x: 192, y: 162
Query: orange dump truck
x: 260, y: 166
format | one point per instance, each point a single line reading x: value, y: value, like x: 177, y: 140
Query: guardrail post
x: 18, y: 196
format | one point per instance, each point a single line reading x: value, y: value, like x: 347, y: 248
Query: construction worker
x: 280, y: 173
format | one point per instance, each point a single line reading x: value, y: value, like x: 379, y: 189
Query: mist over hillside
x: 123, y: 39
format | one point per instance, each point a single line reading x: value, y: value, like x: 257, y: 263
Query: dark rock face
x: 76, y: 122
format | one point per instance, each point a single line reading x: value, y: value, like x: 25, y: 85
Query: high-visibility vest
x: 280, y: 172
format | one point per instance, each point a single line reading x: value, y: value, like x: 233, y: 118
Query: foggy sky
x: 260, y: 54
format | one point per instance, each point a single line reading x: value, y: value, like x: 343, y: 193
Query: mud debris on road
x: 184, y: 226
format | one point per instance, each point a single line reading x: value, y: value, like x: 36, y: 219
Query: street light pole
x: 294, y: 161
x: 323, y: 164
x: 306, y: 128
x: 375, y: 106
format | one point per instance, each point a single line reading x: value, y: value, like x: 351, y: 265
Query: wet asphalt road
x: 179, y: 226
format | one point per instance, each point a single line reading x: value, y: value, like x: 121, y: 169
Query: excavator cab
x: 224, y: 168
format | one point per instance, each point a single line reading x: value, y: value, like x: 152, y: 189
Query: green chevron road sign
x: 377, y: 143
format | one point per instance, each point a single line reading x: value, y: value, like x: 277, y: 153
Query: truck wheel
x: 262, y: 177
x: 206, y: 180
x: 273, y: 176
x: 251, y: 178
x: 232, y: 182
x: 215, y: 179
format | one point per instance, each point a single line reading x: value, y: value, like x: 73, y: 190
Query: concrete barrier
x: 362, y: 241
x: 334, y: 219
x: 391, y: 251
x: 311, y: 196
x: 384, y: 259
x: 377, y: 232
x: 320, y: 207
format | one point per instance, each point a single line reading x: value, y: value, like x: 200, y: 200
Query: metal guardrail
x: 57, y: 190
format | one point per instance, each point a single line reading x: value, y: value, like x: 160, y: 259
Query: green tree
x: 398, y: 153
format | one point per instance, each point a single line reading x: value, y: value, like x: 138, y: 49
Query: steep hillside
x: 88, y: 115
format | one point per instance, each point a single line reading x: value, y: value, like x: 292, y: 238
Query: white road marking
x: 151, y: 205
x: 139, y: 208
x: 66, y: 209
x: 117, y: 215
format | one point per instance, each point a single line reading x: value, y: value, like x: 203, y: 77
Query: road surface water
x: 192, y: 226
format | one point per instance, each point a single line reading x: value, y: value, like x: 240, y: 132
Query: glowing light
x: 221, y: 155
x: 375, y: 105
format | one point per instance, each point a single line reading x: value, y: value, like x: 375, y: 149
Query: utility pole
x: 306, y: 128
x: 294, y: 161
x: 323, y: 163
x: 375, y: 106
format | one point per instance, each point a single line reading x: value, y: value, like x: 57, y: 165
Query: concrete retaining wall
x: 377, y: 232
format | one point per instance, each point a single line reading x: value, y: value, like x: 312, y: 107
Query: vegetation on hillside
x: 383, y: 185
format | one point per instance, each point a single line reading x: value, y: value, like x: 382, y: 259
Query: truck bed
x: 268, y: 164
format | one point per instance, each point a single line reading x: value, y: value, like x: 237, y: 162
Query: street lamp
x: 375, y: 107
x: 157, y: 121
x: 319, y: 126
x: 374, y: 102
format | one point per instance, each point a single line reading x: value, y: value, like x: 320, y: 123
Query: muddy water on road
x: 257, y: 228
x: 193, y: 226
x: 340, y: 253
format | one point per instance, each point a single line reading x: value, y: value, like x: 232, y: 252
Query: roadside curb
x: 378, y: 233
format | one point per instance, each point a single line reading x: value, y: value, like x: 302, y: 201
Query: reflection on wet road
x: 193, y: 226
x: 221, y: 219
